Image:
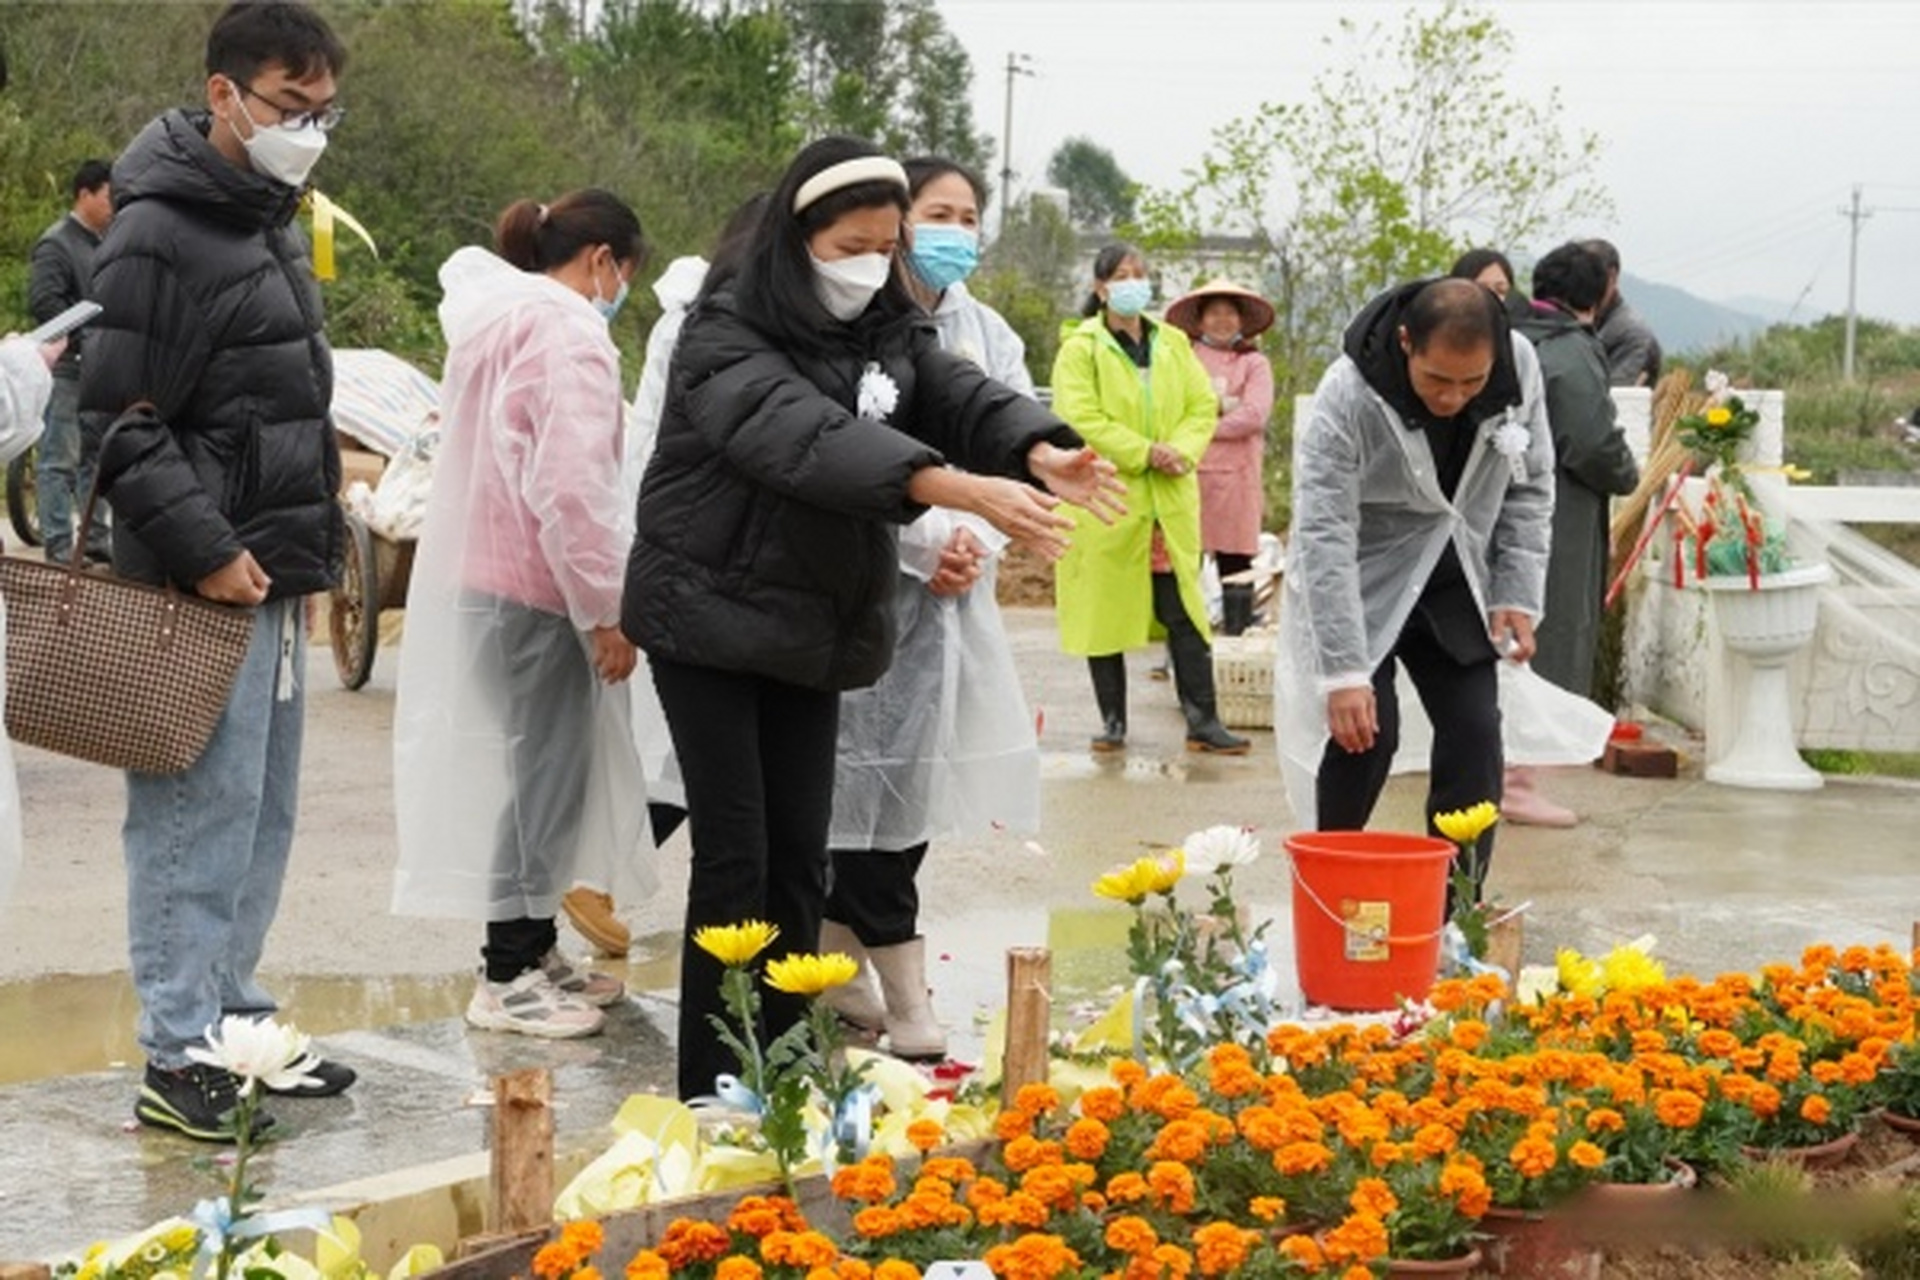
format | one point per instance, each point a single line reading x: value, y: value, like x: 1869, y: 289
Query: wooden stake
x: 25, y: 1271
x: 1916, y: 935
x: 1029, y: 1019
x: 1503, y: 945
x: 522, y: 1150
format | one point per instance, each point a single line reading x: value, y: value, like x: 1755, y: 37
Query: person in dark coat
x: 810, y: 412
x: 1592, y: 465
x: 61, y: 274
x: 1633, y: 353
x: 224, y: 486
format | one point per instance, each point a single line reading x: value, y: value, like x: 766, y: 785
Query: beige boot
x: 858, y: 1002
x: 1524, y: 804
x: 913, y: 1032
x: 592, y: 914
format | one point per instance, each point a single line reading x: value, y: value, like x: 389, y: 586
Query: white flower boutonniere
x: 1510, y: 440
x: 879, y: 394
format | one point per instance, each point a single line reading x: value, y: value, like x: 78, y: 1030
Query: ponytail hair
x: 1109, y: 260
x: 540, y: 237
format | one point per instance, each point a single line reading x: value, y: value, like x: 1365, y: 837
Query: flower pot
x: 1536, y: 1244
x: 1609, y: 1197
x: 1766, y: 625
x: 1460, y: 1266
x: 1907, y: 1125
x: 1820, y: 1155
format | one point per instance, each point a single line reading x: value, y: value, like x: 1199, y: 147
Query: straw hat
x: 1256, y: 313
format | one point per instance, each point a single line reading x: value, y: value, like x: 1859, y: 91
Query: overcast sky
x: 1734, y: 131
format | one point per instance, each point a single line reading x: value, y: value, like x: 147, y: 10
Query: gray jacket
x: 1633, y: 353
x: 61, y: 275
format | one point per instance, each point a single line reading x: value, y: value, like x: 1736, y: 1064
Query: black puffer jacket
x: 767, y: 528
x: 212, y: 314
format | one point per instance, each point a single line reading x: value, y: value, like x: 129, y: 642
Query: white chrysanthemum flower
x: 1222, y: 846
x: 1717, y: 384
x: 879, y: 394
x: 259, y: 1049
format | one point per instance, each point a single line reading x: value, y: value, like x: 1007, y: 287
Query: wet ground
x: 1723, y: 878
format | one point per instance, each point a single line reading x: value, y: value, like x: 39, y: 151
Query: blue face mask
x: 609, y: 307
x: 1129, y: 297
x: 943, y: 254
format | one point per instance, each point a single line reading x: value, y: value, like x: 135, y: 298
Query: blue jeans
x: 61, y: 480
x: 207, y: 850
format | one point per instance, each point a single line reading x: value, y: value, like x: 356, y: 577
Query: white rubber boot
x: 913, y: 1032
x: 1524, y: 804
x: 858, y: 1002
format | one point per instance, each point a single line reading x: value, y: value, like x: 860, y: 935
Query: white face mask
x: 846, y: 285
x: 283, y: 154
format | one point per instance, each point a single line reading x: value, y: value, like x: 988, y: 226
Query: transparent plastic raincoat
x: 1370, y: 523
x: 943, y: 746
x: 25, y: 387
x: 514, y: 765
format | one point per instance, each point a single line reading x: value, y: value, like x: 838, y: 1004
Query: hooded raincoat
x: 1371, y: 522
x: 943, y: 746
x: 514, y: 765
x: 1104, y: 584
x: 1232, y: 489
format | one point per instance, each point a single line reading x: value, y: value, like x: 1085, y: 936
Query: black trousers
x: 545, y: 684
x: 1228, y: 563
x: 1462, y: 699
x: 757, y: 758
x: 874, y: 894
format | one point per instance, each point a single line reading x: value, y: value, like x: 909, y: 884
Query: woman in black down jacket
x: 810, y: 412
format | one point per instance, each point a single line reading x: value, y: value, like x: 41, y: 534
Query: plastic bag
x: 398, y: 507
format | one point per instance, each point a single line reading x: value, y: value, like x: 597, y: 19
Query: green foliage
x: 1099, y: 192
x: 1394, y: 162
x: 1029, y: 276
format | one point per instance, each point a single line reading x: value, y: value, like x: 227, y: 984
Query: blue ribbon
x: 852, y: 1125
x: 731, y: 1091
x: 217, y: 1224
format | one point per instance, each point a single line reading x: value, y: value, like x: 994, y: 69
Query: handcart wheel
x: 23, y: 505
x: 354, y: 608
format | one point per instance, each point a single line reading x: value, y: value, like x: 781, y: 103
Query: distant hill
x: 1685, y: 323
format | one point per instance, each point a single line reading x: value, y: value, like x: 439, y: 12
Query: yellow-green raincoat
x: 1104, y: 585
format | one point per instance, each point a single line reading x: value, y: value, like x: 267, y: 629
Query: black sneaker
x: 328, y: 1079
x: 196, y: 1100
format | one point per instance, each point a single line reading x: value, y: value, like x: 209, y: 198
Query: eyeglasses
x: 324, y: 119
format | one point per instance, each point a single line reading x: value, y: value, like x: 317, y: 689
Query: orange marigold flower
x: 1221, y: 1247
x: 1103, y: 1103
x: 1533, y: 1157
x: 1172, y: 1185
x: 896, y: 1269
x: 1012, y: 1124
x: 877, y: 1222
x: 1434, y: 1139
x: 868, y: 1182
x: 1858, y: 1068
x: 1357, y: 1272
x: 1373, y: 1196
x: 1127, y: 1188
x: 1304, y: 1250
x: 1468, y: 1034
x: 1173, y: 1261
x: 1131, y: 1235
x: 737, y: 1268
x: 1816, y: 1109
x: 584, y: 1237
x: 1386, y: 1153
x: 1605, y: 1120
x: 1267, y: 1208
x: 1302, y: 1157
x: 1764, y: 1101
x: 1718, y: 1043
x: 1360, y: 1237
x: 1585, y: 1155
x: 799, y: 1249
x: 648, y: 1265
x: 1181, y: 1140
x: 1028, y: 1152
x: 925, y: 1134
x: 1468, y: 1187
x: 1087, y: 1139
x: 1678, y: 1109
x: 1127, y: 1073
x: 688, y: 1243
x: 1032, y: 1257
x: 554, y: 1261
x: 1039, y: 1098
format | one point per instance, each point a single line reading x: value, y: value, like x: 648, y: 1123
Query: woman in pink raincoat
x: 1225, y: 321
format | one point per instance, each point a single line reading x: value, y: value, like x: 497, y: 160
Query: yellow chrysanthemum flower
x: 1578, y: 975
x: 1629, y: 969
x: 735, y: 944
x: 809, y: 975
x: 1464, y: 826
x: 1145, y: 876
x: 1719, y: 416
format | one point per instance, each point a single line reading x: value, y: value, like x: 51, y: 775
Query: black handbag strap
x: 79, y: 559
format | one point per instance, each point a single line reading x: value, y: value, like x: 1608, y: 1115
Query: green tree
x: 1030, y: 275
x: 1411, y: 148
x: 1099, y: 192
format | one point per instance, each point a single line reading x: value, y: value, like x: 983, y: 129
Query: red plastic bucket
x: 1368, y: 907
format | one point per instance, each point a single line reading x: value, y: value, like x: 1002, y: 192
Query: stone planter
x: 1766, y: 625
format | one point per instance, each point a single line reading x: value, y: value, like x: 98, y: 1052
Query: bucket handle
x: 1395, y: 940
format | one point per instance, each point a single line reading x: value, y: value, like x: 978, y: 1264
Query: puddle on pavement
x: 72, y: 1024
x: 1132, y: 766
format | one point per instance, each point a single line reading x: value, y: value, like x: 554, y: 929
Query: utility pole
x: 1855, y: 215
x: 1016, y: 66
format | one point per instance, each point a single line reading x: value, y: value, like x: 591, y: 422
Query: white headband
x: 846, y: 174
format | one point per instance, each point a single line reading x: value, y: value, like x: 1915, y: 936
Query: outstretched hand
x: 1022, y: 512
x: 1082, y: 477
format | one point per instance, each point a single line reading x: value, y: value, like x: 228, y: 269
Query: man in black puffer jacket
x: 224, y: 487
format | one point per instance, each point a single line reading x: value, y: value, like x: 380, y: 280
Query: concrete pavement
x: 1724, y: 879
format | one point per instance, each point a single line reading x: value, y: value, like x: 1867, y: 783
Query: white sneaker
x: 532, y: 1006
x: 596, y: 989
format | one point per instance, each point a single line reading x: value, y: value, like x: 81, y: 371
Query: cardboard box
x: 1640, y: 759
